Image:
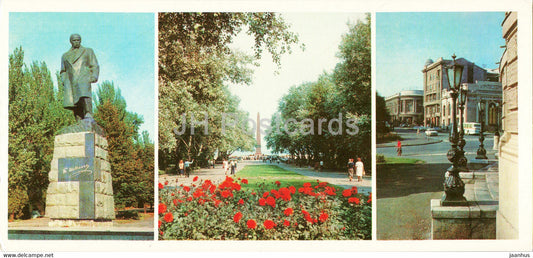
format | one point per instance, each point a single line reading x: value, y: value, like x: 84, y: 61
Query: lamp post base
x: 456, y: 201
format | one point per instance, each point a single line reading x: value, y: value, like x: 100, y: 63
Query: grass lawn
x: 267, y: 175
x: 398, y: 160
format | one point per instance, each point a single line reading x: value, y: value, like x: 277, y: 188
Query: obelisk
x: 258, y: 138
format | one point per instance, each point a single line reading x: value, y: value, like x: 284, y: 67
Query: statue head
x: 75, y: 40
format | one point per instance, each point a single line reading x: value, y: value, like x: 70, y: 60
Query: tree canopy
x: 195, y: 66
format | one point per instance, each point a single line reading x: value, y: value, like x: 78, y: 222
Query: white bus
x: 472, y: 128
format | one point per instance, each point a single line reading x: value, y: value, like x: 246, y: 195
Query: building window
x: 493, y: 114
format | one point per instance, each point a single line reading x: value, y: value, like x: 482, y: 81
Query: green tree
x: 343, y: 95
x: 195, y: 65
x: 35, y: 115
x: 130, y: 168
x: 382, y: 115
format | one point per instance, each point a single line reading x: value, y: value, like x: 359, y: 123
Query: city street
x: 436, y: 153
x: 404, y: 191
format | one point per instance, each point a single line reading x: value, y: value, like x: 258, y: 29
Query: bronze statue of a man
x: 79, y: 68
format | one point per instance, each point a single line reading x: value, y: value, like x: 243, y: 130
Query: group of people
x: 229, y: 165
x: 358, y: 167
x: 185, y: 167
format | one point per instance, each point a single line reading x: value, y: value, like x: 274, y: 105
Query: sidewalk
x: 216, y: 175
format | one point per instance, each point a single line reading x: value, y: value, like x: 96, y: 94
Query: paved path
x: 144, y: 224
x: 217, y: 175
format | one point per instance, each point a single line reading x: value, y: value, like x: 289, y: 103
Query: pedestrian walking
x: 399, y: 148
x: 321, y: 165
x: 233, y: 166
x: 188, y: 167
x: 181, y: 167
x: 350, y: 166
x: 225, y: 166
x: 359, y: 170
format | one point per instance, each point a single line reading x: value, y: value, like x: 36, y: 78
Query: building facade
x: 507, y: 226
x: 436, y: 81
x: 406, y: 107
x: 487, y: 92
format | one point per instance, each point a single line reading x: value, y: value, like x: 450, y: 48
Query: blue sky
x: 123, y: 44
x: 404, y: 41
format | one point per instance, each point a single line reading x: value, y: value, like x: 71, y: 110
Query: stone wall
x: 80, y: 158
x: 507, y: 215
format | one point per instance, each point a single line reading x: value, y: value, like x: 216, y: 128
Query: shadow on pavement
x: 397, y: 180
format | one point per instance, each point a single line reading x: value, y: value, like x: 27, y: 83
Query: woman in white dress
x: 359, y: 170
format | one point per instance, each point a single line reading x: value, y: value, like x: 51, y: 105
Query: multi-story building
x: 436, y: 80
x: 406, y: 107
x: 487, y: 92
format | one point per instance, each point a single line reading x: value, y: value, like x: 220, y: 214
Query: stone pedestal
x: 80, y: 189
x: 475, y: 221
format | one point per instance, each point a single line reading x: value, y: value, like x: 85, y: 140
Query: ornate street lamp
x: 481, y: 152
x: 454, y: 187
x: 461, y: 142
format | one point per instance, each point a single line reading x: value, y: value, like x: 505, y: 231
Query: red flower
x: 186, y: 188
x: 347, y: 193
x: 265, y: 194
x: 354, y: 200
x: 241, y: 201
x: 354, y: 189
x: 226, y: 194
x: 285, y: 194
x: 195, y: 179
x: 323, y: 217
x: 330, y: 191
x: 262, y: 202
x: 307, y: 184
x: 277, y: 183
x: 288, y: 211
x: 159, y: 224
x: 286, y: 223
x: 161, y: 186
x: 251, y: 224
x: 198, y: 193
x: 172, y: 194
x: 166, y: 182
x: 244, y: 181
x: 175, y: 202
x: 237, y: 217
x: 236, y: 187
x: 269, y: 224
x: 292, y: 189
x: 369, y: 198
x: 162, y: 208
x: 271, y: 201
x: 169, y: 217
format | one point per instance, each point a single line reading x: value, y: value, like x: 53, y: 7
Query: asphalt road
x: 436, y: 153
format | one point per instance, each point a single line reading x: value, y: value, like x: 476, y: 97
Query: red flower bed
x: 225, y: 211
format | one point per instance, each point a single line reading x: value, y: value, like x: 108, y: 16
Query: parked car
x: 431, y: 132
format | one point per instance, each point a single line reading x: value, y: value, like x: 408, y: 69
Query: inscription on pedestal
x: 83, y: 170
